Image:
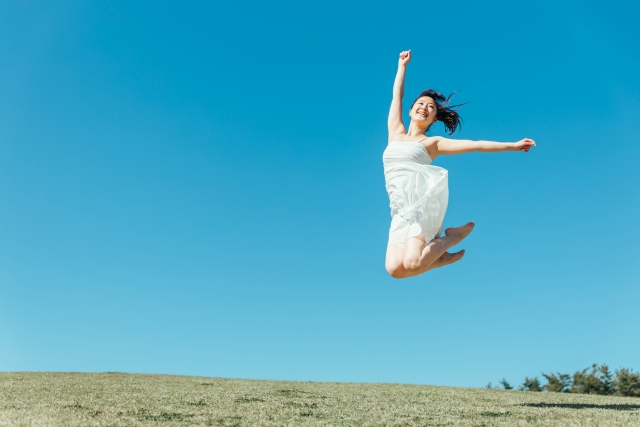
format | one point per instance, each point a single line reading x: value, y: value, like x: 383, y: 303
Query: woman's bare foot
x: 459, y: 233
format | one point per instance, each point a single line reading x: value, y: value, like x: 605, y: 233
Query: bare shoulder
x: 396, y: 135
x: 431, y: 141
x: 431, y: 144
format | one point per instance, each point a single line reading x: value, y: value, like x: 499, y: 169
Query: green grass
x: 114, y: 399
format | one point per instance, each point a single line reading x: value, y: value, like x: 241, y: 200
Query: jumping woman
x: 418, y: 191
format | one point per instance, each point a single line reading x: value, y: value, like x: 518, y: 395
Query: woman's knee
x: 395, y: 269
x: 411, y: 263
x: 413, y: 253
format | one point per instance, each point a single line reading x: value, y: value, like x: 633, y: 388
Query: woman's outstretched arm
x: 395, y: 124
x: 448, y: 146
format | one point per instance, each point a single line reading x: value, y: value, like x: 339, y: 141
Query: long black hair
x: 446, y: 113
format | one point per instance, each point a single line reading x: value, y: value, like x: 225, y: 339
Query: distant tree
x: 606, y: 377
x: 488, y: 385
x: 506, y: 385
x: 557, y: 383
x: 598, y: 381
x: 531, y: 384
x: 627, y: 383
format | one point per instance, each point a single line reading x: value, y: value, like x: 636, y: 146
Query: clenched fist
x: 405, y: 57
x: 524, y: 145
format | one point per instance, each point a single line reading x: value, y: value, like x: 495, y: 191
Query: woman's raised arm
x: 395, y: 124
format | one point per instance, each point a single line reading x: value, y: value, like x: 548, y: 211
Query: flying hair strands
x: 446, y: 113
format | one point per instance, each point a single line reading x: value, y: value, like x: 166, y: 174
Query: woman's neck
x: 415, y: 130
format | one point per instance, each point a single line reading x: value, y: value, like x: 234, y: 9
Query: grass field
x: 114, y: 399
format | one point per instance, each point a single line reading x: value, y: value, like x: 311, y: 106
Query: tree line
x: 597, y: 379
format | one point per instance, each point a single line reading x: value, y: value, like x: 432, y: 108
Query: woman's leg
x: 445, y: 259
x: 419, y: 255
x: 395, y: 265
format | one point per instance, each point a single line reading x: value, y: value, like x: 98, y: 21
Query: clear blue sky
x: 197, y: 188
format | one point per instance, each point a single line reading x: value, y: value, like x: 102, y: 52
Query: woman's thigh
x: 395, y: 254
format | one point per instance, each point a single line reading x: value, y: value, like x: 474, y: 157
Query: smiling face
x: 424, y: 111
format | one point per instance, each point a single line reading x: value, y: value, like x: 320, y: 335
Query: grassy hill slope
x: 114, y: 399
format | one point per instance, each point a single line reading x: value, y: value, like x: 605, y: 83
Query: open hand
x: 405, y: 57
x: 525, y: 145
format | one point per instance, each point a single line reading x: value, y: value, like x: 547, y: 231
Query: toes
x: 455, y: 257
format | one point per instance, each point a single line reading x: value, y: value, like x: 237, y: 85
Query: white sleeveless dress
x: 418, y: 192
